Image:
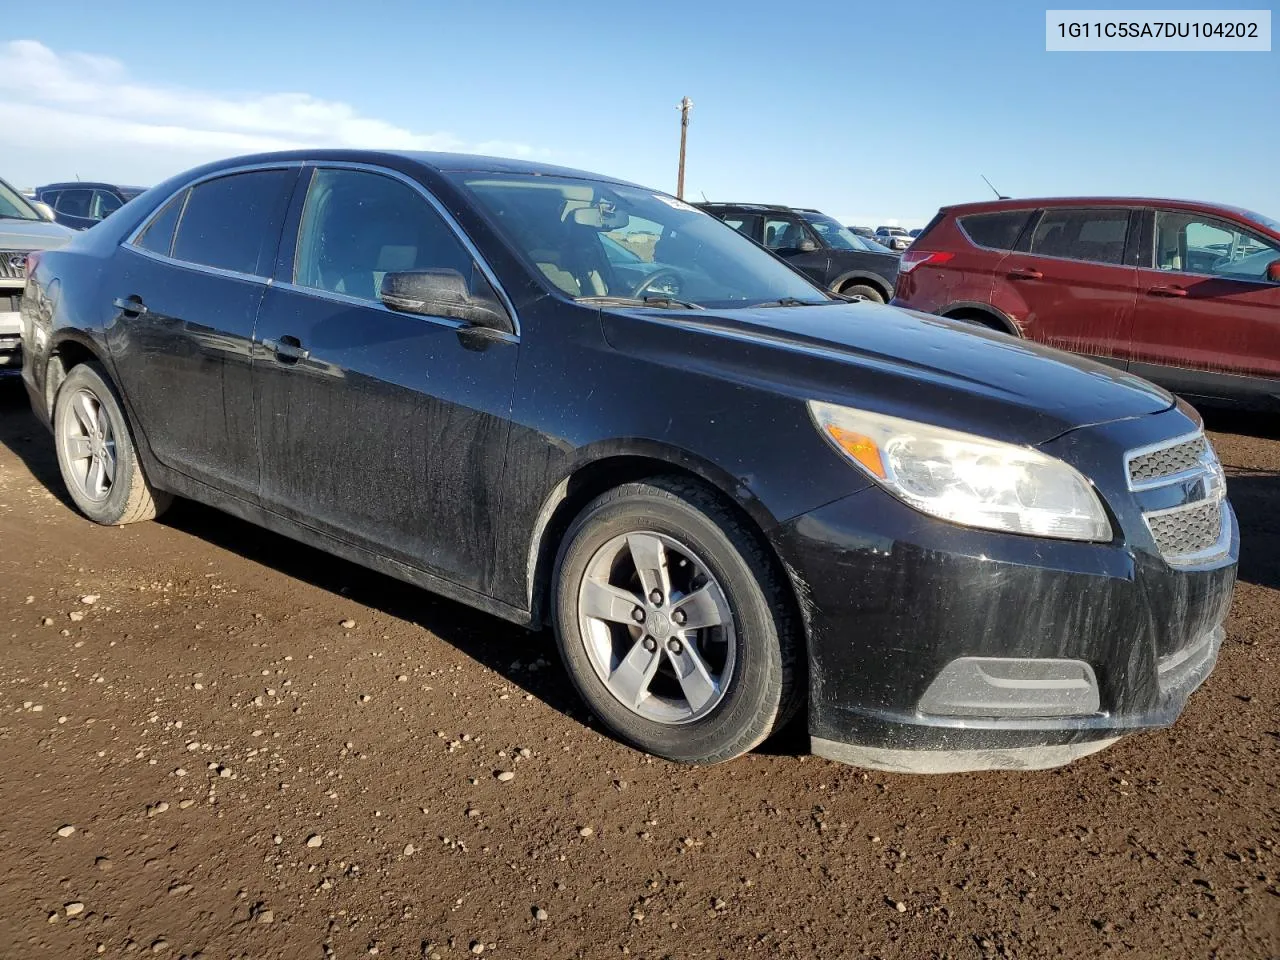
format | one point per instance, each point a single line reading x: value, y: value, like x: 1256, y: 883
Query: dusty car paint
x: 455, y: 459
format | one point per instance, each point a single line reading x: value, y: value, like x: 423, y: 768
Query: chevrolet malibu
x: 732, y: 495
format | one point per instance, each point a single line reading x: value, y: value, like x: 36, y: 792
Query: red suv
x: 1185, y: 294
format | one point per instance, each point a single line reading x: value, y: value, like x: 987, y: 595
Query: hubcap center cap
x: 658, y: 625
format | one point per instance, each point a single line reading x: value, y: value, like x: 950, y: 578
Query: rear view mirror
x: 601, y: 216
x: 441, y: 293
x: 807, y: 246
x: 43, y: 209
x: 1273, y: 271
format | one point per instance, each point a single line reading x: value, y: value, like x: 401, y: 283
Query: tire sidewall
x: 112, y: 508
x: 747, y: 711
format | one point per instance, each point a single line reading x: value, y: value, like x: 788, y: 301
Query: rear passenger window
x: 997, y: 230
x: 744, y: 225
x: 1094, y: 235
x: 158, y: 234
x: 233, y: 223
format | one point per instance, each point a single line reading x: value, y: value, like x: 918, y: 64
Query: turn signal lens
x: 862, y: 448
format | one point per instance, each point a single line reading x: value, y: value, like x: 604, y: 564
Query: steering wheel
x: 662, y: 273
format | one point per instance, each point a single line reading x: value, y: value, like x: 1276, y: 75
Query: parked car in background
x: 723, y: 500
x: 820, y: 246
x: 80, y: 205
x: 895, y: 238
x: 1186, y: 294
x: 23, y: 229
x: 862, y: 231
x: 915, y: 232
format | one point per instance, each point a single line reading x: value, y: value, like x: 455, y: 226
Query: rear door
x: 1073, y: 281
x: 1208, y: 318
x: 183, y: 295
x: 384, y: 430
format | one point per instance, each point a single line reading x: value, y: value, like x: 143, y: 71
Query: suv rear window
x: 234, y: 222
x: 1094, y: 235
x: 1000, y: 231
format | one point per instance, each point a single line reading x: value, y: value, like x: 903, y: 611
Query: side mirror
x: 807, y: 246
x: 1273, y: 271
x: 43, y: 209
x: 441, y: 293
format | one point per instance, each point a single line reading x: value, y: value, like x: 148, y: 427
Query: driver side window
x: 783, y: 234
x: 358, y: 226
x: 1191, y: 243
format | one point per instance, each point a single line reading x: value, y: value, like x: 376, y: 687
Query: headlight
x: 964, y: 478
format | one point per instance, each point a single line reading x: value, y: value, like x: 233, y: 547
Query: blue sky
x: 874, y: 112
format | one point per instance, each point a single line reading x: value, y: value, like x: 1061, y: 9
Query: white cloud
x: 82, y: 113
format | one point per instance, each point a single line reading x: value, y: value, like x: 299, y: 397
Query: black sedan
x: 819, y: 246
x: 572, y: 401
x: 81, y: 205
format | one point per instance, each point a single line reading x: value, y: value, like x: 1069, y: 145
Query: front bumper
x: 936, y: 648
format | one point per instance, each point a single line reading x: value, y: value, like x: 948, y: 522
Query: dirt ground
x: 266, y: 752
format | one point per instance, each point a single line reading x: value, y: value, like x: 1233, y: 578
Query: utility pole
x: 685, y: 106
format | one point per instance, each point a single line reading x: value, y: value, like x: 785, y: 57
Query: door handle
x: 287, y: 349
x: 1025, y: 273
x: 130, y: 305
x: 1167, y: 291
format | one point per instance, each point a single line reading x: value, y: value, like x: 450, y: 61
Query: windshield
x: 837, y: 236
x: 13, y: 206
x: 1259, y: 219
x: 603, y: 240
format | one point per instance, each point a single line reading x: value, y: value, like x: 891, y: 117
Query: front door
x: 1072, y: 286
x: 792, y: 240
x: 1208, y: 319
x: 181, y: 301
x: 385, y: 430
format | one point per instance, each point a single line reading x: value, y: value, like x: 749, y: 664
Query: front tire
x: 864, y: 291
x: 96, y: 455
x: 674, y: 623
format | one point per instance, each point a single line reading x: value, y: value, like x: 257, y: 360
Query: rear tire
x: 979, y: 320
x: 701, y: 694
x: 864, y: 291
x: 96, y: 455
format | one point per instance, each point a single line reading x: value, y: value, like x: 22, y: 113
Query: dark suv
x: 829, y: 252
x: 80, y: 205
x: 573, y: 401
x: 1185, y: 294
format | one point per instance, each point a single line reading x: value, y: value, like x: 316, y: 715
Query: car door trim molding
x: 450, y: 222
x: 200, y: 267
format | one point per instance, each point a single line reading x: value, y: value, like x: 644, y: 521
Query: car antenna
x: 704, y: 196
x: 999, y: 195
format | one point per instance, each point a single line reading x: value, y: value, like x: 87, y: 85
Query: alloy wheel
x: 89, y: 446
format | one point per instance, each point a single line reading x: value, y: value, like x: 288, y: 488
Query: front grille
x: 13, y: 264
x: 1167, y: 461
x: 1187, y: 530
x: 1187, y: 469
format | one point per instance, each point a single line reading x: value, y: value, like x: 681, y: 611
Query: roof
x: 1023, y: 203
x: 89, y: 185
x: 439, y: 162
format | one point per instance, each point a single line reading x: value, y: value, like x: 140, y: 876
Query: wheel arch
x: 69, y: 349
x: 866, y: 277
x: 982, y: 312
x: 611, y: 465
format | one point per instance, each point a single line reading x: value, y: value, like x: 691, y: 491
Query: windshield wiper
x: 791, y: 302
x: 663, y: 301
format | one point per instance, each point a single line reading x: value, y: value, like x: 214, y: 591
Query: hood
x: 27, y: 235
x: 897, y: 362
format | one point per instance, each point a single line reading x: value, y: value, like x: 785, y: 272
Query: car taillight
x: 32, y: 259
x: 916, y: 258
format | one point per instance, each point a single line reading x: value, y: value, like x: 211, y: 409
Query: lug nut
x: 638, y: 614
x: 679, y: 617
x: 656, y: 597
x: 674, y: 645
x: 650, y: 644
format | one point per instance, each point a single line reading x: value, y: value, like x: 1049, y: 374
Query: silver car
x: 25, y: 226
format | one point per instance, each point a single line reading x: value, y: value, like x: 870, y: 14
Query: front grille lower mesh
x: 1187, y: 531
x: 1168, y: 461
